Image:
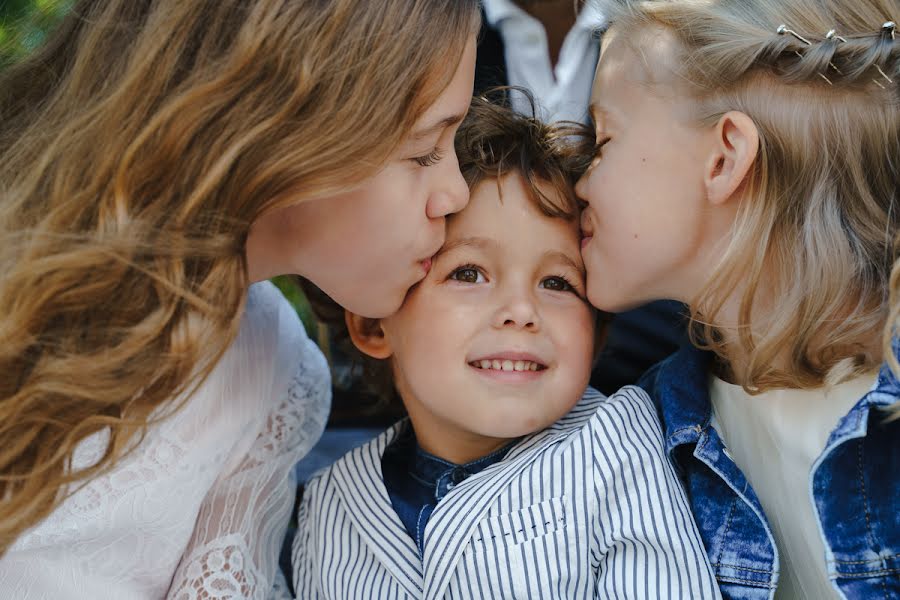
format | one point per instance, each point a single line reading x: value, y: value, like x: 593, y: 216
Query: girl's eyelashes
x: 430, y: 159
x: 467, y: 274
x: 598, y: 146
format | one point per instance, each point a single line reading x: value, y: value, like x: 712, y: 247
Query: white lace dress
x: 200, y: 509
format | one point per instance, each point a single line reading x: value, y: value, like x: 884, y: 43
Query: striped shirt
x: 589, y: 507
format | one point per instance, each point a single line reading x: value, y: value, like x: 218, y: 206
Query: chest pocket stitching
x: 516, y: 527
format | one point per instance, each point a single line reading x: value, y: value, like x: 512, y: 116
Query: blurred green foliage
x: 24, y: 25
x: 291, y: 290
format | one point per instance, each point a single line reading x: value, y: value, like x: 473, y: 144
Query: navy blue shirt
x: 416, y: 480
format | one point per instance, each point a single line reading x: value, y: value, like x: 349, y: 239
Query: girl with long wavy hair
x: 158, y: 157
x: 747, y: 165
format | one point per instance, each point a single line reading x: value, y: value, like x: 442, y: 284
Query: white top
x: 774, y: 438
x: 588, y: 508
x: 200, y: 508
x: 563, y: 91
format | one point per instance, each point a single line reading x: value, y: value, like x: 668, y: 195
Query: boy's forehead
x: 501, y: 212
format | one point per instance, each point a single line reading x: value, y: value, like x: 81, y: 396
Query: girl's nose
x: 453, y: 194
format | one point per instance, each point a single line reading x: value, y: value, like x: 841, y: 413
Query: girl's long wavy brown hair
x: 816, y: 230
x: 136, y: 147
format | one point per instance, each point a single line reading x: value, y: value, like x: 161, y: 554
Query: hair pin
x: 783, y: 29
x: 832, y: 35
x: 888, y: 29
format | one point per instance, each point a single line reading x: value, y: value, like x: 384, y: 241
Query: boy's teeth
x: 508, y: 365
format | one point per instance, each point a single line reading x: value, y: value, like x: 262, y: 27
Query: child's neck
x: 454, y: 444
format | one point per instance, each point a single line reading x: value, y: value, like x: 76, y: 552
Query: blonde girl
x: 158, y: 157
x: 747, y: 164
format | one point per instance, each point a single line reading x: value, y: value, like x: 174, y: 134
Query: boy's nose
x: 518, y: 313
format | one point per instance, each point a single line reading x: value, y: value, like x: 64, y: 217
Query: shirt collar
x: 442, y: 475
x: 496, y: 11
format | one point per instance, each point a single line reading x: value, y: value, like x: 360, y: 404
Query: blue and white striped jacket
x: 587, y: 508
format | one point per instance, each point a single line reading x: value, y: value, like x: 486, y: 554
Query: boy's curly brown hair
x: 492, y: 142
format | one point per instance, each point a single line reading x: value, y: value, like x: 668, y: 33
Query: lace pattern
x: 199, y: 509
x: 234, y: 550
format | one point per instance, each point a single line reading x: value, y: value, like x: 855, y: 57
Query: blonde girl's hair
x: 136, y: 147
x: 892, y: 330
x: 820, y: 80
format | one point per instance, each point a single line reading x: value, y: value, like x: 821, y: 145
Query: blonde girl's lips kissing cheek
x: 509, y: 367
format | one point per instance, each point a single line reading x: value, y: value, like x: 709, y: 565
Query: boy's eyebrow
x: 558, y: 255
x: 473, y: 241
x: 437, y: 127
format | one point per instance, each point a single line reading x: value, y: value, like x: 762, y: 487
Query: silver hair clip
x: 783, y: 29
x: 831, y: 35
x: 889, y: 28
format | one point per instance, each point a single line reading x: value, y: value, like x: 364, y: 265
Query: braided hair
x: 815, y: 230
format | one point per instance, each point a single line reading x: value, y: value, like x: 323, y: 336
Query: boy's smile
x: 497, y: 341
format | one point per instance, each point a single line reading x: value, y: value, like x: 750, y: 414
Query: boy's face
x: 497, y: 341
x: 647, y: 227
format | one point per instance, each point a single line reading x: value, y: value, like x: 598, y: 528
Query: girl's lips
x: 426, y: 264
x: 586, y: 240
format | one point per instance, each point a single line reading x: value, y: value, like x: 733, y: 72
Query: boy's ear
x: 734, y: 151
x: 367, y: 335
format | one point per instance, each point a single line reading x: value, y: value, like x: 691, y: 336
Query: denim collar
x: 441, y: 475
x: 679, y: 387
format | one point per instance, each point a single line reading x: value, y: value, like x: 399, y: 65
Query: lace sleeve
x: 233, y: 552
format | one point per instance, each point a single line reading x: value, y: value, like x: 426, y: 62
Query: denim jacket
x: 855, y: 487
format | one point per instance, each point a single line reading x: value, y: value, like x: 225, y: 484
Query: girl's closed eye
x: 598, y: 147
x: 430, y: 159
x: 467, y: 274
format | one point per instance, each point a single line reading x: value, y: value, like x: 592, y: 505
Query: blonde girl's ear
x: 367, y: 335
x: 734, y: 150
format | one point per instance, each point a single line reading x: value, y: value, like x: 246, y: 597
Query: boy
x: 507, y: 480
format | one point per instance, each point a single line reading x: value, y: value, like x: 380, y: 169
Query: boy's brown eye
x: 557, y: 284
x: 467, y: 275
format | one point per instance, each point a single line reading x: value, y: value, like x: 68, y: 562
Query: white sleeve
x: 233, y: 551
x: 649, y: 545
